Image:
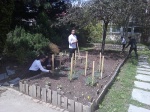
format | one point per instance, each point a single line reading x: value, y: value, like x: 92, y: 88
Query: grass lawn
x: 118, y: 97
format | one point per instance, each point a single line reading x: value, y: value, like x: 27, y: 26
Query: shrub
x: 54, y: 48
x: 94, y: 32
x: 22, y: 45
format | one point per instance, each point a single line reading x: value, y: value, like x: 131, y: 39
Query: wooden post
x: 75, y: 58
x: 78, y: 50
x: 65, y: 53
x: 100, y: 63
x: 93, y: 72
x: 53, y: 63
x: 60, y: 56
x: 86, y: 61
x: 71, y: 69
x: 102, y: 67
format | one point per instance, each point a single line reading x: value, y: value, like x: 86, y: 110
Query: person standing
x: 123, y: 42
x: 133, y: 46
x: 72, y: 39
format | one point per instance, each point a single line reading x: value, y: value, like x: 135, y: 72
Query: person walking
x: 133, y: 46
x: 123, y: 42
x: 72, y: 39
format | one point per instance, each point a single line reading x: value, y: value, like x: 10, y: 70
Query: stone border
x: 109, y: 84
x: 56, y: 98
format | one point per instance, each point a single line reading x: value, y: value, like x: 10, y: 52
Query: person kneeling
x: 37, y: 67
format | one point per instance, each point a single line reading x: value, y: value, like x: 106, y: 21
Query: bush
x: 23, y: 45
x: 94, y: 32
x: 54, y: 48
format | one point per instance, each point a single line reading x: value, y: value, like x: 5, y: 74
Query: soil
x: 79, y: 88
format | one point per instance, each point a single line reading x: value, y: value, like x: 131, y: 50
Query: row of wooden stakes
x: 101, y: 64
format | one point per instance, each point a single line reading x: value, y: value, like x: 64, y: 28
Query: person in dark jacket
x: 133, y: 46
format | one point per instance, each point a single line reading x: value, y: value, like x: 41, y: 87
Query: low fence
x: 54, y: 97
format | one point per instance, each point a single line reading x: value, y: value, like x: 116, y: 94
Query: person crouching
x: 36, y: 67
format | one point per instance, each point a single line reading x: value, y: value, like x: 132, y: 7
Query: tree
x: 99, y: 10
x: 6, y: 11
x: 122, y: 12
x: 131, y: 13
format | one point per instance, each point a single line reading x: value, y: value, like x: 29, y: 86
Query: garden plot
x: 81, y: 80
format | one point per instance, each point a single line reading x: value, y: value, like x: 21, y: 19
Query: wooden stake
x: 75, y: 58
x: 60, y: 56
x: 100, y: 59
x: 93, y: 72
x: 102, y: 67
x: 78, y: 49
x: 71, y: 69
x: 86, y: 61
x: 53, y: 63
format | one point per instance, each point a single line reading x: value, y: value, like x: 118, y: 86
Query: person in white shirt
x: 72, y: 39
x: 37, y: 67
x: 123, y: 42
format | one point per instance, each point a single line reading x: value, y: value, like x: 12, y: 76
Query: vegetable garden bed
x: 76, y: 88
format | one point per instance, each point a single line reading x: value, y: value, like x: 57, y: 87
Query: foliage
x: 88, y: 81
x: 6, y: 11
x: 44, y: 26
x: 73, y: 76
x: 22, y: 45
x: 94, y: 31
x: 116, y: 11
x: 54, y: 48
x: 105, y: 10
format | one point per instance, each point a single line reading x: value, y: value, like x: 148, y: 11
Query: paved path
x: 14, y: 101
x: 141, y: 90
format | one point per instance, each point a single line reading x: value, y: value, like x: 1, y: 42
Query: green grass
x: 118, y: 97
x: 86, y: 48
x: 145, y: 52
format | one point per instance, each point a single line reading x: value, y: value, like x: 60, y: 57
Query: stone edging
x: 109, y: 84
x: 56, y: 98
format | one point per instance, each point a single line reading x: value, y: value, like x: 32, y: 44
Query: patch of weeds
x: 97, y: 74
x: 66, y: 69
x: 80, y: 72
x: 73, y: 77
x: 88, y: 81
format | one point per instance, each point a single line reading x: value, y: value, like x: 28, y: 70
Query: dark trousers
x: 135, y: 50
x: 123, y: 47
x: 71, y: 51
x: 33, y: 73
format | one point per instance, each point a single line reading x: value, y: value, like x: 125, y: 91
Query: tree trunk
x: 104, y: 36
x: 126, y: 27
